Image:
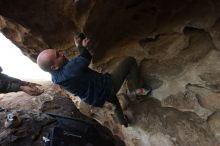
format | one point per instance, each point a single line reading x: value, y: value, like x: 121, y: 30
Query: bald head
x: 45, y: 59
x: 51, y: 59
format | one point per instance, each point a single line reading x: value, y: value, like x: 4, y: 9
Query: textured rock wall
x: 176, y: 44
x: 35, y: 123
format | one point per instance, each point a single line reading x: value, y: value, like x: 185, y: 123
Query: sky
x: 15, y: 64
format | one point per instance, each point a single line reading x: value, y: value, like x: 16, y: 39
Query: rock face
x: 35, y: 123
x: 213, y: 122
x: 176, y: 44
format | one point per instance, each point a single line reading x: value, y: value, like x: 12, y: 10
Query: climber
x: 92, y: 87
x: 9, y: 84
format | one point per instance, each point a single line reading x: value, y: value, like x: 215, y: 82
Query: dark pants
x: 126, y: 70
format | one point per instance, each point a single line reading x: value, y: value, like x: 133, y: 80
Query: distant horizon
x: 15, y: 64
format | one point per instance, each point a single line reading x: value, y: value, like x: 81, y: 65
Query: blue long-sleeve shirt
x: 76, y: 77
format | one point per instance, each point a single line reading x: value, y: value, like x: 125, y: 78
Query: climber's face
x: 58, y: 59
x: 51, y: 59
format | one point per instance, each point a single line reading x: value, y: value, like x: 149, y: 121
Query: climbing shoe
x: 12, y: 120
x: 139, y: 92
